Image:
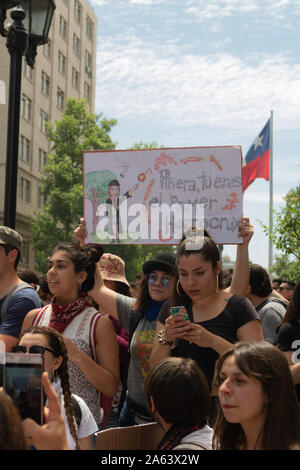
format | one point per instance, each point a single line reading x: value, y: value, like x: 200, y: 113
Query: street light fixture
x: 29, y: 29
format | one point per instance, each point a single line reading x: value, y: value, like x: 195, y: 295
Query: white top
x: 88, y: 424
x: 202, y: 437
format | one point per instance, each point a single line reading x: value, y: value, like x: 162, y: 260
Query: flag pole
x: 271, y: 194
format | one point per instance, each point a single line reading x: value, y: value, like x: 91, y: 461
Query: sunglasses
x: 164, y: 281
x: 31, y: 350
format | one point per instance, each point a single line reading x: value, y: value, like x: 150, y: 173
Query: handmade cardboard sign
x: 154, y: 196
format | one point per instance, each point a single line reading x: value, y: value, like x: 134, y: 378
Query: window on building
x: 89, y: 28
x: 43, y: 160
x: 76, y: 45
x: 24, y: 149
x: 25, y: 252
x: 41, y: 198
x: 88, y: 63
x: 27, y: 70
x: 62, y: 27
x: 77, y: 11
x: 26, y: 107
x: 87, y: 92
x: 60, y: 98
x: 47, y: 49
x: 43, y: 119
x: 25, y: 189
x: 75, y: 78
x: 45, y: 84
x: 61, y: 63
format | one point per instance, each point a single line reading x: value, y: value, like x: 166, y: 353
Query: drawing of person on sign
x: 113, y: 208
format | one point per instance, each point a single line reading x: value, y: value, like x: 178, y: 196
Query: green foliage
x: 135, y: 255
x: 76, y: 132
x: 142, y: 146
x: 285, y: 268
x: 286, y: 236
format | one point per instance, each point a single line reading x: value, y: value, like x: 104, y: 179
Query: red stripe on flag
x: 258, y: 168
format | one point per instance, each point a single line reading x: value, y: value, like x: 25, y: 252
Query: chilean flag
x: 257, y: 160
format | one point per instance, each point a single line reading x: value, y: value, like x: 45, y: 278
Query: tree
x: 286, y: 237
x: 76, y: 132
x: 135, y: 255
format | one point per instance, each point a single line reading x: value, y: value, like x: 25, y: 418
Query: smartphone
x: 179, y: 310
x: 22, y: 382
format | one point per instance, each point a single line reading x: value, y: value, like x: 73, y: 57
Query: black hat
x: 161, y: 262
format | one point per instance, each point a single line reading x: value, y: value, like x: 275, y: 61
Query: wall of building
x: 63, y: 68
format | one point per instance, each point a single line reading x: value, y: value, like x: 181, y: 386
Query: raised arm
x: 240, y: 276
x: 80, y: 232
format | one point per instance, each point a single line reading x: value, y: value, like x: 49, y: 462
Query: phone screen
x: 22, y: 381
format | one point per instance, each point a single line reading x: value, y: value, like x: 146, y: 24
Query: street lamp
x: 29, y: 29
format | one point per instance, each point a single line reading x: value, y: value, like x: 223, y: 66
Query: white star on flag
x: 258, y: 142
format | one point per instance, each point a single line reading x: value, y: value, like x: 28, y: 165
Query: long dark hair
x: 57, y: 344
x: 292, y: 313
x: 281, y: 429
x: 209, y: 251
x: 84, y: 259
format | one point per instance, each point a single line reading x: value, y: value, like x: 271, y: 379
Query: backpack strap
x: 136, y: 316
x: 21, y: 285
x: 76, y: 410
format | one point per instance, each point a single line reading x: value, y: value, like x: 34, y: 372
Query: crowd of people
x: 212, y: 373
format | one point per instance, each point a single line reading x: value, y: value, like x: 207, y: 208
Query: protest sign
x: 152, y: 196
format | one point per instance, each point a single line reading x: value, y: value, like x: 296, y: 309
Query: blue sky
x: 205, y: 72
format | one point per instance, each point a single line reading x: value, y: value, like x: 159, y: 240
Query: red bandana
x: 62, y: 315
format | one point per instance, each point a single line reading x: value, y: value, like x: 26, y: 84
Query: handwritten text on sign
x: 153, y: 196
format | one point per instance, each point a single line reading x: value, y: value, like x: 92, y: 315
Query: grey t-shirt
x: 140, y: 349
x: 270, y: 313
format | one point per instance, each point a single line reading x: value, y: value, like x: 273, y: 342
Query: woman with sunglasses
x: 89, y: 336
x: 138, y: 317
x: 50, y: 343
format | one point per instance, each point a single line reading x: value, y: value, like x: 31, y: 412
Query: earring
x: 177, y: 288
x: 217, y: 289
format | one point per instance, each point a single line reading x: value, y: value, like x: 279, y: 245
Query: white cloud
x: 137, y: 78
x: 217, y: 9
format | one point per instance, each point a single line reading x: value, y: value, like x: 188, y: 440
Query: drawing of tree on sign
x: 95, y: 189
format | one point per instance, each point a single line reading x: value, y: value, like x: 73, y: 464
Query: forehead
x: 230, y: 366
x: 192, y: 260
x: 60, y: 255
x: 30, y: 339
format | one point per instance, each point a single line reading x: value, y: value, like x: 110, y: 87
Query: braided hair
x: 57, y: 344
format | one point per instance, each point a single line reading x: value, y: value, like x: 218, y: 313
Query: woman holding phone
x: 89, y: 336
x: 216, y: 318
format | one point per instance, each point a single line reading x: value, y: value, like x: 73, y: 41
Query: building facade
x: 64, y: 68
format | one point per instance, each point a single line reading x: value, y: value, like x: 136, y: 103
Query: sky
x: 205, y: 73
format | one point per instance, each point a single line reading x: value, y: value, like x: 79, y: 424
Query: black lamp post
x: 30, y: 28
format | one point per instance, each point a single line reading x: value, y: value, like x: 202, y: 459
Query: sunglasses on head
x: 31, y: 350
x: 164, y: 281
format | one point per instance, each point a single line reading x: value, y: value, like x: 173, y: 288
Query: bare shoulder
x: 28, y: 320
x: 104, y: 326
